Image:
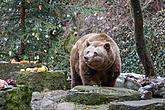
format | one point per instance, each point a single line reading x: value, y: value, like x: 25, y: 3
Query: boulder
x: 43, y: 80
x: 123, y: 81
x: 92, y: 95
x: 152, y: 104
x: 56, y: 100
x: 16, y: 98
x: 47, y: 100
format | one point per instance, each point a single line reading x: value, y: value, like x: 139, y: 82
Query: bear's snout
x: 86, y: 58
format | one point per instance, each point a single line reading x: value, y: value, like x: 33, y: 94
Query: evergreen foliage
x: 44, y: 21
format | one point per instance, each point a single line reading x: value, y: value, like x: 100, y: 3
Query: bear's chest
x: 94, y: 74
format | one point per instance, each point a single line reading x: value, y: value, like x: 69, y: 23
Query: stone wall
x: 7, y: 69
x: 43, y: 81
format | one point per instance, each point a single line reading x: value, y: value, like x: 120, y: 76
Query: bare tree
x: 22, y: 15
x: 22, y: 28
x: 140, y: 40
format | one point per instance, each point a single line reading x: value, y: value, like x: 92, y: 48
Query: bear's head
x: 98, y: 55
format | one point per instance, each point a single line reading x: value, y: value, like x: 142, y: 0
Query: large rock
x: 91, y: 95
x: 123, y: 82
x: 16, y: 98
x: 43, y: 81
x: 152, y: 104
x: 55, y: 100
x: 47, y: 100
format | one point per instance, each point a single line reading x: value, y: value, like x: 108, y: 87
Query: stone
x: 73, y: 106
x: 129, y: 84
x: 66, y: 106
x: 55, y: 80
x: 16, y: 98
x: 147, y: 87
x: 55, y: 100
x: 47, y: 100
x: 152, y: 104
x: 46, y: 103
x: 92, y: 95
x: 7, y: 69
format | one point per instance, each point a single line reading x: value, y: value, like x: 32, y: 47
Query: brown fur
x: 95, y: 60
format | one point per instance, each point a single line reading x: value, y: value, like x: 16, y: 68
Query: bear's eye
x: 87, y: 52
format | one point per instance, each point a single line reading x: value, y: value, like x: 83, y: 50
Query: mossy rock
x: 90, y: 95
x: 148, y: 107
x: 152, y: 104
x: 16, y: 98
x: 7, y: 69
x: 45, y: 80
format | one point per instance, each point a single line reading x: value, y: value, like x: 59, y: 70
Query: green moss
x: 83, y: 90
x: 45, y: 80
x: 95, y: 106
x: 90, y: 95
x: 89, y: 98
x: 17, y: 98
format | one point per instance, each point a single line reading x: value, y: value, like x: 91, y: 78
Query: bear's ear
x: 107, y: 46
x: 87, y: 43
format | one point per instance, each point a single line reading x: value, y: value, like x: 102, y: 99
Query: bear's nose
x: 86, y: 58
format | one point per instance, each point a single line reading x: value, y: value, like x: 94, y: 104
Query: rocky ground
x: 54, y: 100
x: 53, y: 90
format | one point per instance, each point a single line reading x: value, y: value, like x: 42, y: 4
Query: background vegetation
x: 52, y: 26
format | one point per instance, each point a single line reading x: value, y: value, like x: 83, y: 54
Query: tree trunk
x: 22, y: 28
x: 143, y: 54
x: 22, y: 15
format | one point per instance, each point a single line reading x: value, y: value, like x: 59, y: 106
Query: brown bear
x: 95, y: 60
